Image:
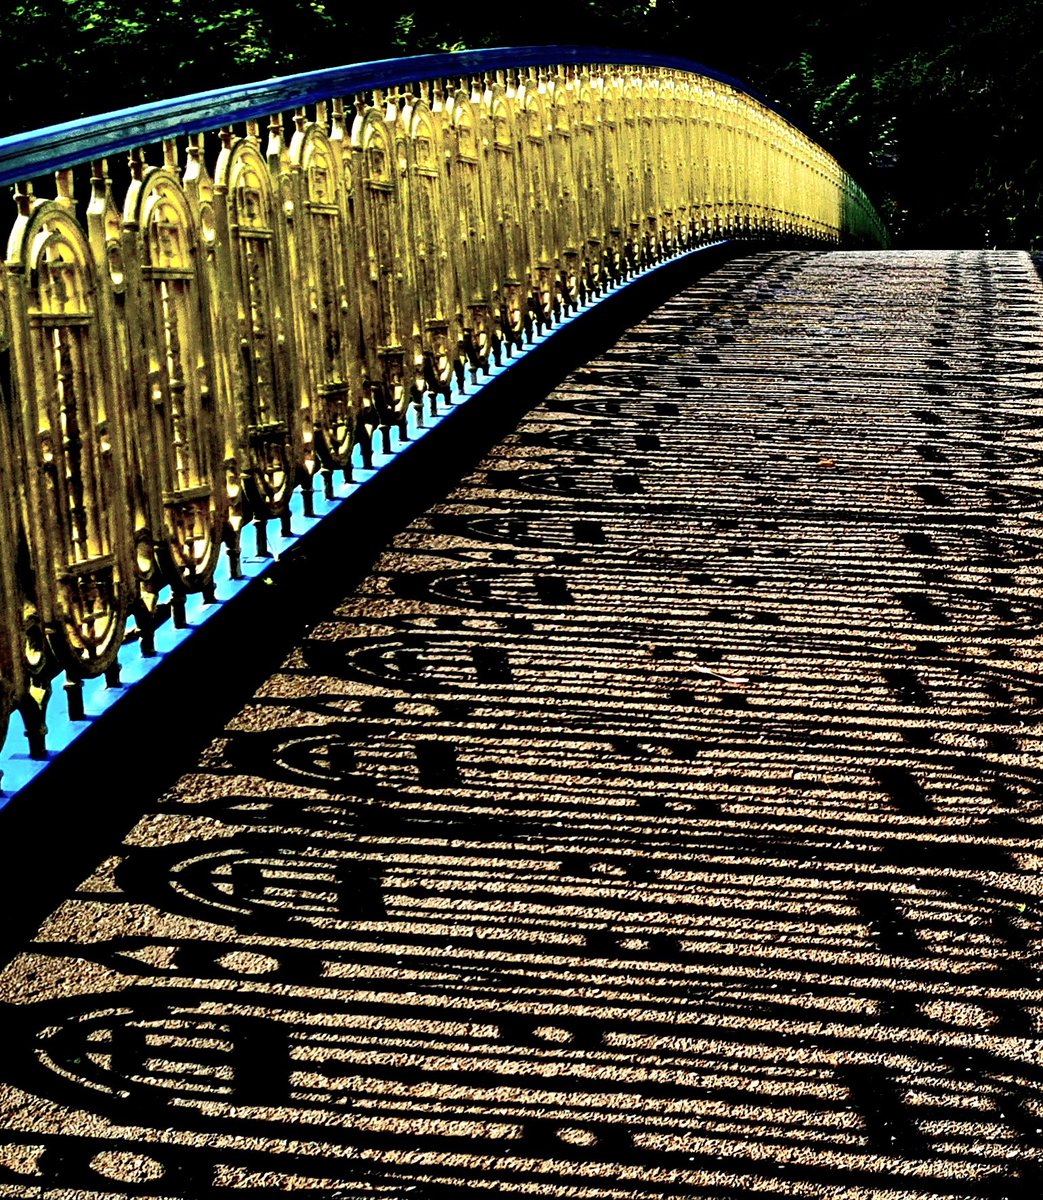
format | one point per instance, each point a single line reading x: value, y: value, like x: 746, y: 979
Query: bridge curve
x: 233, y: 326
x: 660, y: 816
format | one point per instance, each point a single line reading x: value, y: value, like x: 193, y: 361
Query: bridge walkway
x: 659, y: 818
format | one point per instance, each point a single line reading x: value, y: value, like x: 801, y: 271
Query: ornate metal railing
x: 231, y: 320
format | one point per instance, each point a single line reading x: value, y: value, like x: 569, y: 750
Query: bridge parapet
x: 277, y: 277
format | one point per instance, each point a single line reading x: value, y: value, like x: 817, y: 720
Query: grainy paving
x: 660, y: 818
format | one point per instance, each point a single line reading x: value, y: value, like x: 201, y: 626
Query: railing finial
x: 63, y: 183
x: 23, y: 198
x: 338, y: 123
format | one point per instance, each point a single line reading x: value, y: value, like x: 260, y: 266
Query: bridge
x: 546, y: 613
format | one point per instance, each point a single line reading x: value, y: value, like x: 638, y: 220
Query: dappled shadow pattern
x: 660, y: 818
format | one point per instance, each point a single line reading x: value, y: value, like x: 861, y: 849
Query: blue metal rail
x: 27, y: 155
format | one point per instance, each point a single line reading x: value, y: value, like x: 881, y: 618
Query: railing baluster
x: 69, y: 441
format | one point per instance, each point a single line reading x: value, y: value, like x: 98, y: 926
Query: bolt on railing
x: 242, y: 314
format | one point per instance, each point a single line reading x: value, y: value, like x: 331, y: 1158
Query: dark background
x: 939, y: 114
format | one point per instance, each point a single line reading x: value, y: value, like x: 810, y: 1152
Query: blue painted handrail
x: 39, y: 151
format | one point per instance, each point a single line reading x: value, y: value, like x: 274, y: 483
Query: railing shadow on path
x: 659, y: 816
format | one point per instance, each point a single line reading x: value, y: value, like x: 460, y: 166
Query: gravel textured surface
x: 660, y: 817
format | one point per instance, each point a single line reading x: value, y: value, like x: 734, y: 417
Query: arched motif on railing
x: 667, y: 199
x: 174, y: 422
x: 251, y: 270
x: 469, y: 240
x: 229, y: 498
x: 537, y: 199
x: 589, y: 193
x: 115, y: 257
x: 509, y: 254
x: 383, y: 231
x: 434, y: 343
x: 611, y: 178
x: 564, y: 197
x: 177, y: 361
x: 69, y: 440
x: 324, y: 303
x: 631, y: 162
x: 15, y: 646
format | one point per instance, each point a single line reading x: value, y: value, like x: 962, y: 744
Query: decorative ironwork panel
x: 434, y: 342
x: 470, y: 237
x: 589, y: 188
x: 13, y: 682
x: 244, y: 209
x: 567, y: 233
x: 105, y: 232
x: 325, y: 304
x: 177, y: 442
x: 384, y: 256
x: 630, y: 146
x: 509, y: 254
x: 536, y: 197
x: 610, y: 158
x: 71, y: 439
x: 671, y: 149
x: 213, y: 275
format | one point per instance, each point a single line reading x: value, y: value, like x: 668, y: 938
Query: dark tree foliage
x: 935, y: 110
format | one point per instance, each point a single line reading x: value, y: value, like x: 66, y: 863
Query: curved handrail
x: 191, y: 357
x: 38, y: 151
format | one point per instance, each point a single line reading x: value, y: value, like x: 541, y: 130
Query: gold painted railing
x: 241, y: 313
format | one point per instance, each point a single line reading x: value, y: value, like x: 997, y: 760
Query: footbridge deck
x: 659, y: 817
